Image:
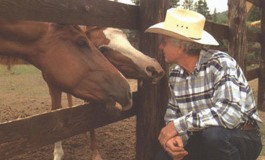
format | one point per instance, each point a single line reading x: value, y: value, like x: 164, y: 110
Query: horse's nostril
x: 103, y: 49
x: 152, y: 70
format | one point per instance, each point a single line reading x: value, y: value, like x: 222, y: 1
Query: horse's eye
x: 82, y: 43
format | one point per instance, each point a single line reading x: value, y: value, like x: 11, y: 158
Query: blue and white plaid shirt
x: 215, y: 94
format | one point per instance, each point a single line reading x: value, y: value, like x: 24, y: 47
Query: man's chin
x: 168, y: 62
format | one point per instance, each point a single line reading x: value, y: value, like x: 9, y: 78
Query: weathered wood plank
x: 237, y: 31
x: 261, y: 84
x: 253, y: 74
x: 253, y: 37
x: 20, y: 136
x: 154, y: 97
x: 219, y: 31
x: 86, y: 12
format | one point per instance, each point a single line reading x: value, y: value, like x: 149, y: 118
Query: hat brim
x: 207, y: 39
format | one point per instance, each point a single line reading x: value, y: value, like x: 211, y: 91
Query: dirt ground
x: 26, y: 94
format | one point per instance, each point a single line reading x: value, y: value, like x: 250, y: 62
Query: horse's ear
x: 83, y: 28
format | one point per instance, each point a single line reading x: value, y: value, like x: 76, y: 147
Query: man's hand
x: 167, y: 133
x: 175, y: 148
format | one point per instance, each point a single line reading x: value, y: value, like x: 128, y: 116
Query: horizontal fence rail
x: 220, y: 31
x: 80, y: 12
x: 253, y: 74
x: 27, y: 134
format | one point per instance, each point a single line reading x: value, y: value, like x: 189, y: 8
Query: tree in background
x: 253, y: 19
x: 214, y: 16
x: 254, y: 14
x: 136, y: 2
x: 174, y: 3
x: 201, y: 6
x: 188, y: 4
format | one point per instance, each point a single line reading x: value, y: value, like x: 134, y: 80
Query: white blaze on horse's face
x: 148, y: 66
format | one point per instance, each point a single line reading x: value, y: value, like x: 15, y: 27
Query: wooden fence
x: 20, y: 136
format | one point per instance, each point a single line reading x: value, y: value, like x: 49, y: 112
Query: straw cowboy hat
x: 185, y: 25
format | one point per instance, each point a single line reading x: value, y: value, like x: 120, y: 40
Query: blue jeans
x: 218, y: 143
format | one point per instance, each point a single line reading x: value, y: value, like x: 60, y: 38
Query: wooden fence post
x: 261, y: 83
x: 153, y: 97
x: 237, y: 31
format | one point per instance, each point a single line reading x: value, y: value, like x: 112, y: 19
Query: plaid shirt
x: 215, y: 94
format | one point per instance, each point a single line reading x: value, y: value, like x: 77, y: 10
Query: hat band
x: 195, y: 38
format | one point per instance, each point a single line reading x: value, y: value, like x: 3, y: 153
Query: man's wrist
x: 172, y: 125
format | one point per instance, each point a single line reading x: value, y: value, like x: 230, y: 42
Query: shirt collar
x: 205, y: 55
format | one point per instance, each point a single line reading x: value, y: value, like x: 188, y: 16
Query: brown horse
x: 68, y: 60
x: 132, y: 63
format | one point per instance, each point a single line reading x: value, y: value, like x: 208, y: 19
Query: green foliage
x: 214, y: 16
x: 18, y: 69
x: 254, y: 14
x: 136, y: 2
x: 221, y: 18
x: 188, y: 4
x: 254, y: 29
x: 202, y: 7
x: 174, y: 3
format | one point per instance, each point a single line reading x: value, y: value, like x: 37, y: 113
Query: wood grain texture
x: 85, y: 12
x: 237, y: 47
x: 23, y: 135
x: 261, y: 83
x: 153, y: 97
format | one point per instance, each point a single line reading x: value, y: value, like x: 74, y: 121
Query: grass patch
x: 19, y: 69
x: 21, y: 80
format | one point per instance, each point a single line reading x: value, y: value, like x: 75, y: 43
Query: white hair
x: 191, y: 48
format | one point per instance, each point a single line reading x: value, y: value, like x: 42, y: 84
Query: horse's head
x: 69, y: 62
x: 82, y: 69
x: 113, y: 43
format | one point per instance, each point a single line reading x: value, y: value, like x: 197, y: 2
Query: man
x: 211, y: 114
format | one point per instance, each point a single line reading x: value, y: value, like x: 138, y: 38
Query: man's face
x: 171, y: 48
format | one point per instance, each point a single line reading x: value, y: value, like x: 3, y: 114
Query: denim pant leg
x: 218, y: 143
x: 162, y: 155
x: 231, y: 144
x: 194, y: 147
x: 248, y: 144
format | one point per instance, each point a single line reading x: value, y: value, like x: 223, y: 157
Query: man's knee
x: 213, y: 137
